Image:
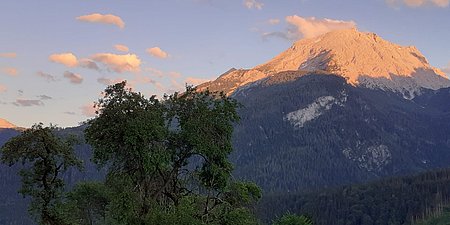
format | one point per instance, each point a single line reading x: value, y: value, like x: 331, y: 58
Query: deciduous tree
x: 44, y: 157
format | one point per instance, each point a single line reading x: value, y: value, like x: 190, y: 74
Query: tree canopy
x: 163, y: 154
x: 44, y: 157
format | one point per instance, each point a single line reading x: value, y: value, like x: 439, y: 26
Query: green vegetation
x: 45, y: 157
x: 394, y: 201
x: 291, y: 219
x: 166, y: 161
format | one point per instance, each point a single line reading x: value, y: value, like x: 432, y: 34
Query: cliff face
x: 361, y: 58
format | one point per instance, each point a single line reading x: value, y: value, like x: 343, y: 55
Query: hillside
x: 316, y: 130
x: 401, y: 200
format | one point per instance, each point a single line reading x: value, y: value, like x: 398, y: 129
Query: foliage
x: 291, y: 219
x: 394, y: 201
x: 162, y: 154
x: 85, y: 204
x: 45, y: 157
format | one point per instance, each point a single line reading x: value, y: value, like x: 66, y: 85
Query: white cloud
x: 121, y: 48
x: 157, y: 52
x: 119, y: 63
x: 250, y: 4
x: 312, y: 27
x: 8, y: 55
x: 419, y: 3
x: 68, y: 59
x: 103, y: 18
x: 73, y: 77
x: 10, y: 71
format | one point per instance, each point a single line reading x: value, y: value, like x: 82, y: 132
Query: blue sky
x: 57, y: 56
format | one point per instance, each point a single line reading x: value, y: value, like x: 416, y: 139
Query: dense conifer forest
x: 396, y: 201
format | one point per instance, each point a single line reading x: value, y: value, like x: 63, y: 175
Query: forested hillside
x: 315, y: 131
x: 393, y: 201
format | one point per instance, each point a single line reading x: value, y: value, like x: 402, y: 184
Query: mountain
x: 345, y: 107
x: 5, y: 124
x: 361, y: 58
x: 317, y: 131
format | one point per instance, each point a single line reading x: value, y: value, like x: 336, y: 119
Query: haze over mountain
x: 361, y: 58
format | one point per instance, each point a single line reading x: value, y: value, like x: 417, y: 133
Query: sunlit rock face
x: 5, y: 124
x: 361, y: 58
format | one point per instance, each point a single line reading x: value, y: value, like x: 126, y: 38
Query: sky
x: 56, y: 56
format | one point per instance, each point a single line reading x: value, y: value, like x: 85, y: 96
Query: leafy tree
x: 86, y: 204
x: 44, y: 157
x: 128, y: 134
x: 291, y: 219
x: 163, y: 154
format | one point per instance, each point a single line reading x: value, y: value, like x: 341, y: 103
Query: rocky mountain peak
x: 362, y: 58
x: 5, y: 124
x: 352, y: 54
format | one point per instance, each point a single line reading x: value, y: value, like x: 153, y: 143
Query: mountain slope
x: 361, y: 58
x: 399, y: 200
x: 5, y: 124
x: 317, y: 131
